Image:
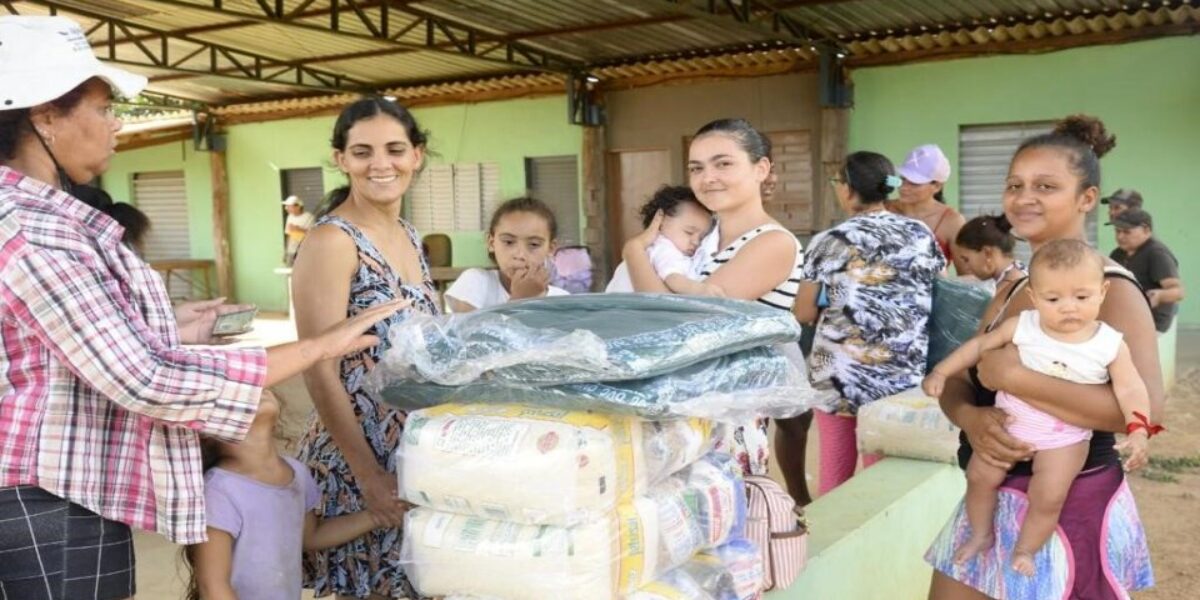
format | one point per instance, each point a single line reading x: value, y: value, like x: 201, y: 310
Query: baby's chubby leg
x: 982, y: 481
x: 1053, y: 473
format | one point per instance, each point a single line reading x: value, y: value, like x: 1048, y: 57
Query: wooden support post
x: 835, y: 134
x: 595, y: 234
x: 220, y: 223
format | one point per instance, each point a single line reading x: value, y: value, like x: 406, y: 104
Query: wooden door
x: 634, y: 175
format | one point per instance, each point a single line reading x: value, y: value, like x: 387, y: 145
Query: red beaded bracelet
x: 1143, y: 423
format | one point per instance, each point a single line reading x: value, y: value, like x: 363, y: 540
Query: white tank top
x: 783, y: 296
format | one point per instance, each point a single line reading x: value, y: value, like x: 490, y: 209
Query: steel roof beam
x: 754, y: 16
x: 443, y: 35
x: 223, y: 61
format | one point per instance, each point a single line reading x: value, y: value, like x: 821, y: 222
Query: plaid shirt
x: 99, y: 402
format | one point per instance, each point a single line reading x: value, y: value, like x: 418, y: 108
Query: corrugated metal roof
x: 239, y: 50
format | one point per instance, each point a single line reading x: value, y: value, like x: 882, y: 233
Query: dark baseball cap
x: 1134, y: 217
x: 1127, y: 197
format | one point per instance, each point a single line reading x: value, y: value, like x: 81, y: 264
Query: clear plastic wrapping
x: 539, y: 466
x: 647, y: 355
x: 957, y: 308
x: 578, y: 339
x: 733, y: 571
x: 760, y: 381
x: 700, y: 507
x: 907, y: 425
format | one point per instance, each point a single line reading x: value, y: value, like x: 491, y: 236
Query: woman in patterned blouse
x: 876, y: 273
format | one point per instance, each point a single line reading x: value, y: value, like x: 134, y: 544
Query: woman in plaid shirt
x: 101, y: 403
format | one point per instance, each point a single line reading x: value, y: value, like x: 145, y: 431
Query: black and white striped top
x: 784, y: 294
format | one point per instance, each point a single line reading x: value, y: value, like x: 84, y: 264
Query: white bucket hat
x: 43, y: 58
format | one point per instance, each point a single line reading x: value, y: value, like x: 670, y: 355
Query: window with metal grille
x: 555, y: 181
x: 984, y: 154
x: 453, y: 197
x: 307, y: 184
x: 162, y: 195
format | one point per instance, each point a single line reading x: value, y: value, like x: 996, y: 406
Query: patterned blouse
x: 878, y: 270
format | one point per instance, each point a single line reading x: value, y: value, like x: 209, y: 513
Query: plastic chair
x: 438, y: 250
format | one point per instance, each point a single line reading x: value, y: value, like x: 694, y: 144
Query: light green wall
x: 1147, y: 93
x: 505, y: 132
x: 118, y: 182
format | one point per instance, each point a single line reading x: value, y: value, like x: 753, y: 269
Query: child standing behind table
x: 521, y: 240
x: 685, y: 223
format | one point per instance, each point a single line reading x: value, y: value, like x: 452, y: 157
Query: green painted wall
x: 1147, y: 93
x: 505, y: 132
x: 175, y: 156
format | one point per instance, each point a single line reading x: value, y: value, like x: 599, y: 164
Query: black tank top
x: 1100, y: 449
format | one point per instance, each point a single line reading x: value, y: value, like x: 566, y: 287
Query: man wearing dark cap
x: 1121, y: 201
x: 1150, y: 261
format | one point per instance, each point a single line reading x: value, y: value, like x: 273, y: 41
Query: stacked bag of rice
x: 564, y: 449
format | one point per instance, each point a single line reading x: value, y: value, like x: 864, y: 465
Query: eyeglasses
x: 836, y: 180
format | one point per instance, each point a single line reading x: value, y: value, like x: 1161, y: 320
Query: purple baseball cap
x: 924, y: 164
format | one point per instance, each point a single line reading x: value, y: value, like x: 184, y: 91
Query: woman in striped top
x: 757, y: 258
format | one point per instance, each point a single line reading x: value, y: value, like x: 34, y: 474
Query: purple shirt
x: 267, y: 525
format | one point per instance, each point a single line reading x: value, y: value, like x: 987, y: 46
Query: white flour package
x: 539, y: 466
x: 452, y: 554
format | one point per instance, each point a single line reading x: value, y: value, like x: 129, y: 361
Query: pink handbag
x: 778, y: 527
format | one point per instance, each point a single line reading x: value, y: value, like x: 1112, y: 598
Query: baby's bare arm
x: 967, y: 355
x: 680, y: 284
x: 1128, y: 386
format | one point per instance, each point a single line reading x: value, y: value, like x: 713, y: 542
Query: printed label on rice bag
x: 480, y: 437
x: 677, y: 528
x: 517, y: 411
x: 457, y: 504
x: 503, y: 540
x: 435, y: 529
x: 499, y: 512
x: 632, y: 544
x: 471, y: 534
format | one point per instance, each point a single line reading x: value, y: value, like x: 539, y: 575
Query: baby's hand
x: 1137, y: 446
x: 933, y: 384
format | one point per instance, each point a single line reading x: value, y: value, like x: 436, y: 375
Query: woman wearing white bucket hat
x: 101, y: 407
x: 924, y: 174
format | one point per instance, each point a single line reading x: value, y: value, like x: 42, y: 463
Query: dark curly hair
x: 1085, y: 138
x: 667, y: 199
x: 987, y: 231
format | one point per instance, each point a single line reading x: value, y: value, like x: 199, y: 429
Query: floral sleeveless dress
x: 370, y: 564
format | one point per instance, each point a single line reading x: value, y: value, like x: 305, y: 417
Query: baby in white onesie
x: 685, y: 223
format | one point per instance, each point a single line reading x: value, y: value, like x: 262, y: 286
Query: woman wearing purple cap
x: 101, y: 404
x: 924, y: 173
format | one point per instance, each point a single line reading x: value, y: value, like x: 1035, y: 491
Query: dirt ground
x: 1168, y: 493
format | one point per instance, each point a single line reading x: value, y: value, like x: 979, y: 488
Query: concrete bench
x: 869, y: 536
